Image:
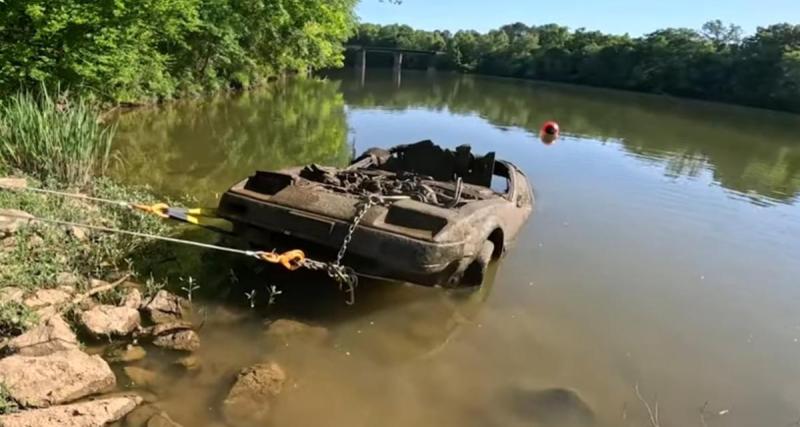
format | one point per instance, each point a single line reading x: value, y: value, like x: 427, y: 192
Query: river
x: 663, y: 254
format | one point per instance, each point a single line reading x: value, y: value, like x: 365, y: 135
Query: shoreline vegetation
x: 716, y: 63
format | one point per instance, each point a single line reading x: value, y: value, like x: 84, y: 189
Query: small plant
x: 152, y: 286
x: 251, y: 296
x: 7, y: 404
x: 16, y: 318
x: 191, y: 286
x: 273, y: 293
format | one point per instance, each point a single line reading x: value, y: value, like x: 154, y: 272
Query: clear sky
x: 635, y: 17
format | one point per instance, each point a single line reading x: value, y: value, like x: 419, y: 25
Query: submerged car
x: 416, y: 213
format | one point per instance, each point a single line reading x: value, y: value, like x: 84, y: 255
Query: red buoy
x: 549, y: 132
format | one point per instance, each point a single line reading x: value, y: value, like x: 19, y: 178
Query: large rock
x: 166, y: 307
x: 12, y: 220
x: 51, y: 336
x: 285, y: 330
x: 107, y: 320
x: 248, y: 402
x: 185, y: 340
x: 54, y: 379
x: 93, y: 413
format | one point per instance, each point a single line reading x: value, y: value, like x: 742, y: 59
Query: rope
x: 65, y: 194
x: 289, y: 258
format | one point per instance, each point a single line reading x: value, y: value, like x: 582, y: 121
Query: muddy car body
x: 428, y: 215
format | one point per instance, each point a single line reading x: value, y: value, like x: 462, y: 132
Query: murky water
x: 664, y: 251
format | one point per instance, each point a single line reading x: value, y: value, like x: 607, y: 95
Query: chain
x: 345, y: 276
x: 365, y: 206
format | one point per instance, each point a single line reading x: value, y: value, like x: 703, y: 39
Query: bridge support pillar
x: 361, y: 65
x: 398, y: 68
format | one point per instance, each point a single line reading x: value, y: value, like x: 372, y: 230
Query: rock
x: 185, y: 340
x: 92, y: 413
x: 67, y: 279
x: 133, y: 299
x: 168, y: 328
x: 190, y: 363
x: 9, y: 182
x: 552, y: 406
x: 12, y: 220
x: 124, y: 354
x: 142, y: 377
x: 57, y: 378
x: 79, y: 233
x: 106, y: 320
x: 51, y: 336
x: 140, y: 416
x: 11, y: 294
x: 248, y: 402
x: 166, y: 307
x: 162, y: 420
x: 285, y: 330
x: 49, y: 297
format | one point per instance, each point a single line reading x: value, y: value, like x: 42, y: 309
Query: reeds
x: 57, y: 140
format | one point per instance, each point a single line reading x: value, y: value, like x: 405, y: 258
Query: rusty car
x: 416, y: 213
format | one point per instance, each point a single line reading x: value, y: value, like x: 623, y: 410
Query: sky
x: 635, y: 17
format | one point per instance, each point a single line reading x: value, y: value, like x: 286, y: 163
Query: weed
x: 16, y: 318
x: 54, y: 139
x: 7, y: 404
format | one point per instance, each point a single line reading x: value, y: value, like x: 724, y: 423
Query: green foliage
x: 715, y: 63
x: 7, y: 404
x: 15, y: 319
x: 56, y: 139
x: 139, y: 50
x: 39, y: 252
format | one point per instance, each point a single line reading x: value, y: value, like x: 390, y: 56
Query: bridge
x: 399, y: 53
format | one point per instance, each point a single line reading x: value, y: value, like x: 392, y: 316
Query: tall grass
x: 56, y: 140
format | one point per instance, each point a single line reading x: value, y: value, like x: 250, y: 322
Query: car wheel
x: 475, y: 273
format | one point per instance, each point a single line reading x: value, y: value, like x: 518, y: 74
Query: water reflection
x: 201, y: 148
x: 754, y: 153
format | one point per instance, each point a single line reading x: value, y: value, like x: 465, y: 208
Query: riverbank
x: 86, y: 341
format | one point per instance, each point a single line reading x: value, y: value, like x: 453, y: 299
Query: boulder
x: 54, y: 379
x: 132, y: 299
x: 165, y: 307
x: 248, y: 402
x: 49, y: 297
x: 92, y: 413
x: 124, y: 353
x: 11, y: 294
x: 285, y: 330
x: 49, y: 337
x: 107, y: 320
x: 9, y: 182
x: 185, y: 340
x: 12, y: 220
